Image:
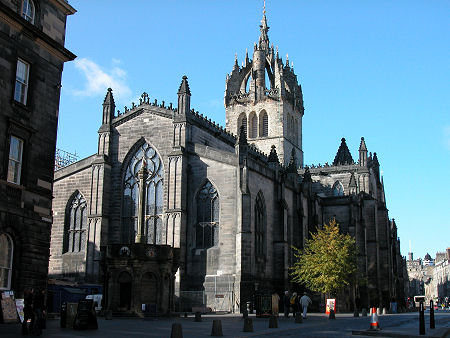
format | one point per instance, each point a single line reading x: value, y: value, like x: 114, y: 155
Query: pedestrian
x: 304, y: 302
x: 287, y: 303
x: 294, y: 303
x: 39, y: 312
x: 275, y: 300
x: 28, y: 311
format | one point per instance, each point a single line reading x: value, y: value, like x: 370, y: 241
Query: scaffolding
x: 64, y: 158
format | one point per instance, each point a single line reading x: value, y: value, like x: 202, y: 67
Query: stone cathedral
x: 174, y: 209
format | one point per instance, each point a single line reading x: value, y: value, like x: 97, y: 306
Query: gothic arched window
x: 154, y: 191
x: 6, y: 260
x: 263, y: 124
x: 253, y: 125
x: 260, y: 225
x: 338, y: 189
x: 76, y: 224
x: 28, y: 10
x: 242, y: 121
x: 207, y: 227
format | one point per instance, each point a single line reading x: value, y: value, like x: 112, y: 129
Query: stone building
x: 430, y: 277
x: 174, y: 203
x: 32, y: 57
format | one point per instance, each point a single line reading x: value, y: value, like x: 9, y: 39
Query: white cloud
x: 99, y: 80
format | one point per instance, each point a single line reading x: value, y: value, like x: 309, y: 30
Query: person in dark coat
x: 28, y: 311
x: 39, y: 312
x: 286, y: 300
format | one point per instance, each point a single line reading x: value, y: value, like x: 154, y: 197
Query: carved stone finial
x: 273, y: 156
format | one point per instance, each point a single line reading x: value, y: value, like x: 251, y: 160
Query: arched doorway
x: 124, y: 281
x: 149, y: 290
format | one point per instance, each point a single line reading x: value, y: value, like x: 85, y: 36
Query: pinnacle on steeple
x: 375, y: 160
x: 273, y: 156
x: 184, y: 86
x: 264, y: 38
x: 362, y: 153
x: 362, y: 145
x: 343, y: 156
x: 184, y: 97
x: 109, y: 107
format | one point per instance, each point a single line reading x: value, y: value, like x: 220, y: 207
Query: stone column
x: 141, y: 236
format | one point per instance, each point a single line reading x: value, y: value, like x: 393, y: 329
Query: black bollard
x: 198, y: 317
x: 273, y: 322
x: 298, y: 318
x: 432, y: 326
x: 248, y: 325
x: 245, y: 313
x: 177, y: 331
x: 421, y: 319
x: 217, y: 328
x: 356, y: 312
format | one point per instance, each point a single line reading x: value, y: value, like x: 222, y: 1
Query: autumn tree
x: 328, y: 262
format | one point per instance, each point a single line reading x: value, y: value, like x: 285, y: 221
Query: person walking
x: 294, y: 303
x: 304, y: 302
x: 39, y: 312
x: 275, y: 300
x: 28, y: 311
x: 286, y: 300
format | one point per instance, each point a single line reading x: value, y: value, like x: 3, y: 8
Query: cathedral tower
x: 264, y: 97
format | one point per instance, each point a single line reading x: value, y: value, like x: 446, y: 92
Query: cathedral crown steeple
x: 265, y: 97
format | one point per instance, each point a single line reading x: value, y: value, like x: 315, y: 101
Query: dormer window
x: 28, y: 10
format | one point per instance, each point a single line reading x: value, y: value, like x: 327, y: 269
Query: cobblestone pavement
x: 317, y: 325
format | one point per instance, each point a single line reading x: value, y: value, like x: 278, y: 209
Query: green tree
x: 328, y: 262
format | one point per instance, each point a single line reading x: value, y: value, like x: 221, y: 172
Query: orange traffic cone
x: 374, y: 320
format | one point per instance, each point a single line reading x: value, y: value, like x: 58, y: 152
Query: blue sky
x: 378, y: 69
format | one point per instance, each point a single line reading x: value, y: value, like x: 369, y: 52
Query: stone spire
x: 343, y: 156
x: 362, y: 153
x: 109, y: 107
x: 264, y: 38
x: 184, y: 97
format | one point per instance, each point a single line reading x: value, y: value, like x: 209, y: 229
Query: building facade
x: 212, y: 213
x: 32, y: 57
x: 430, y: 277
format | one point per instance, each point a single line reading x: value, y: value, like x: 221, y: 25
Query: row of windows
x: 255, y: 125
x: 207, y: 201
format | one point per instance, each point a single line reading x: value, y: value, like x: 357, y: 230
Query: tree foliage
x: 328, y: 262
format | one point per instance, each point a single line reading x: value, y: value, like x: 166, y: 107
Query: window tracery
x: 154, y: 186
x: 260, y: 225
x: 338, y: 189
x: 208, y: 207
x: 76, y: 224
